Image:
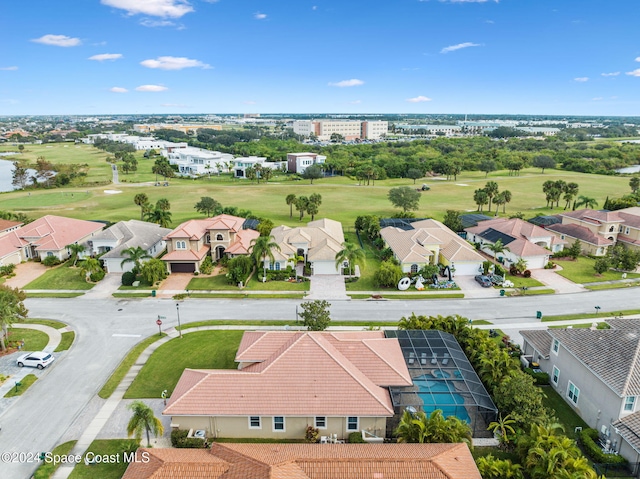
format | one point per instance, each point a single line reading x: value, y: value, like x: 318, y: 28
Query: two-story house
x: 299, y: 162
x: 190, y: 243
x: 596, y: 230
x: 241, y: 164
x: 597, y: 372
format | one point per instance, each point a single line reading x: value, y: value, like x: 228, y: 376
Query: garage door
x: 324, y: 267
x: 183, y: 267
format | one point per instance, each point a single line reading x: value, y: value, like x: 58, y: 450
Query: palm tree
x: 480, y: 198
x: 261, y: 249
x: 586, y: 201
x: 75, y: 249
x: 291, y: 199
x: 506, y: 196
x: 159, y: 216
x: 142, y: 201
x: 143, y: 419
x: 351, y: 253
x: 163, y: 204
x: 499, y: 200
x: 497, y: 247
x: 90, y: 266
x: 570, y: 191
x: 503, y: 427
x: 135, y: 256
x: 491, y: 189
x: 408, y: 430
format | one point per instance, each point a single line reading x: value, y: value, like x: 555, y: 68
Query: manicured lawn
x: 214, y: 283
x: 46, y: 470
x: 282, y: 322
x: 248, y: 295
x: 581, y: 271
x: 219, y: 283
x: 131, y: 295
x: 256, y: 285
x: 198, y: 350
x: 47, y: 322
x: 562, y: 317
x: 597, y: 287
x: 53, y: 295
x: 25, y: 382
x: 368, y: 269
x: 64, y: 276
x: 66, y: 341
x: 105, y: 470
x: 531, y: 293
x: 34, y: 340
x: 566, y: 416
x: 123, y: 368
x: 520, y: 281
x: 410, y: 296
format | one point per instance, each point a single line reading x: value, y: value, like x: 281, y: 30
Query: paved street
x: 107, y: 328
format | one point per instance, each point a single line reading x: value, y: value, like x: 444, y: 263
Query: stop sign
x: 159, y: 322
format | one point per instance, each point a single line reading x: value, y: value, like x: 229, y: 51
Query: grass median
x: 22, y: 386
x: 66, y: 341
x: 48, y: 469
x: 108, y: 469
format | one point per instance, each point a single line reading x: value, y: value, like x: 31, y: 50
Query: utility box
x: 538, y: 314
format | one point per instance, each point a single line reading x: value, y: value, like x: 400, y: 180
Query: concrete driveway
x: 472, y: 289
x: 175, y: 282
x: 328, y: 286
x: 552, y: 279
x: 25, y: 273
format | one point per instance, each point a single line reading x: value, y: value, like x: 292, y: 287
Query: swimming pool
x: 441, y: 395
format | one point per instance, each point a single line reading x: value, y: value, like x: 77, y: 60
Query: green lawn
x: 53, y: 295
x: 368, y: 269
x: 214, y: 283
x: 410, y: 296
x: 47, y: 322
x: 34, y: 340
x: 562, y: 317
x: 105, y: 470
x: 247, y: 295
x: 25, y: 383
x: 64, y: 276
x: 581, y: 271
x: 598, y: 287
x: 198, y: 350
x: 66, y: 341
x: 535, y: 292
x: 219, y: 283
x: 520, y: 281
x: 46, y: 470
x: 566, y: 416
x: 255, y: 284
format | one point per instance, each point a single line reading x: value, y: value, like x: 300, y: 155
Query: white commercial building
x: 348, y: 129
x: 241, y: 164
x: 196, y: 161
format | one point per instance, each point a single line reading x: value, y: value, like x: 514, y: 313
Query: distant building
x: 298, y: 162
x: 241, y: 164
x: 196, y: 161
x: 183, y: 127
x: 348, y: 129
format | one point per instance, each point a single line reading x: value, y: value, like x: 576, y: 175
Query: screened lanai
x: 442, y: 378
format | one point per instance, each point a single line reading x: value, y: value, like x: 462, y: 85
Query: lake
x: 6, y: 173
x: 630, y: 169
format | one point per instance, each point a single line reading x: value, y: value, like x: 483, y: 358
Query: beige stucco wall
x: 295, y: 427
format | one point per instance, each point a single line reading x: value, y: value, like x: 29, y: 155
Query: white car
x: 38, y: 359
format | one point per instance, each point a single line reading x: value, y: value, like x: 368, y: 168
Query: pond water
x: 6, y: 173
x: 630, y: 169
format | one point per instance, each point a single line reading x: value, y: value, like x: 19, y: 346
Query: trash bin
x: 538, y: 314
x: 153, y: 293
x: 502, y: 292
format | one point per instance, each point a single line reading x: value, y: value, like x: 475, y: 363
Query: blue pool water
x: 441, y: 395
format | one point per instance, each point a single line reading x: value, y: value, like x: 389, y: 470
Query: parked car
x: 483, y: 280
x: 38, y: 359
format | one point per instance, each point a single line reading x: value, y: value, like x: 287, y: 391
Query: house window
x: 627, y: 230
x: 254, y: 422
x: 556, y: 375
x: 612, y: 229
x: 414, y: 268
x: 278, y: 423
x: 556, y: 346
x: 629, y: 403
x: 181, y: 245
x: 207, y: 239
x: 49, y: 253
x: 573, y: 393
x: 271, y: 266
x: 277, y: 265
x: 321, y: 422
x: 219, y: 237
x: 352, y: 423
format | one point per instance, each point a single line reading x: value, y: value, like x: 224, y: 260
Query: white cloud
x: 581, y: 79
x: 105, y: 56
x: 174, y: 63
x: 459, y: 46
x: 118, y: 89
x: 612, y: 74
x: 58, y: 40
x: 151, y: 88
x: 418, y: 99
x: 9, y: 69
x: 638, y: 59
x: 260, y: 16
x: 598, y: 98
x: 148, y: 22
x: 155, y: 8
x: 634, y: 73
x: 347, y: 83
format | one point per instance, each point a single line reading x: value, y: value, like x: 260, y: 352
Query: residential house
x: 319, y: 242
x: 196, y: 161
x: 193, y: 240
x: 128, y: 234
x: 597, y: 372
x: 46, y: 236
x: 307, y: 461
x: 522, y: 240
x: 431, y: 242
x: 299, y: 162
x: 7, y: 226
x: 241, y: 164
x: 286, y: 381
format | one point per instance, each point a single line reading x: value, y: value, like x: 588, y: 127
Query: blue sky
x: 556, y: 57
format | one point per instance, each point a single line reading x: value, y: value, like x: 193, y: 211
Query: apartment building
x: 348, y: 129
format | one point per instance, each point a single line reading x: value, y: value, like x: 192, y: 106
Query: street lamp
x: 178, y: 311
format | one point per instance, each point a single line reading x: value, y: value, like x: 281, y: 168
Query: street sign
x: 159, y: 322
x: 161, y: 317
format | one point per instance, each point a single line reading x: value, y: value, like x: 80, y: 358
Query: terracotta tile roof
x: 187, y: 254
x: 196, y: 229
x: 580, y: 232
x: 524, y: 248
x: 258, y: 388
x: 7, y: 224
x: 310, y: 461
x: 594, y: 216
x: 631, y: 216
x: 518, y: 229
x: 628, y: 240
x: 10, y: 243
x: 242, y: 244
x: 54, y: 233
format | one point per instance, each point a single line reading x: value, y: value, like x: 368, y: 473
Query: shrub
x: 179, y: 439
x: 207, y: 265
x: 513, y: 271
x: 7, y: 269
x: 51, y: 261
x: 128, y: 278
x: 356, y: 438
x: 196, y: 273
x: 387, y: 275
x: 588, y: 438
x: 97, y: 275
x: 311, y: 434
x: 541, y: 379
x: 550, y: 265
x: 526, y: 273
x: 499, y: 270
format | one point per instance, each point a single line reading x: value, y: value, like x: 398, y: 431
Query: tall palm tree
x: 163, y: 204
x: 142, y: 200
x: 480, y: 198
x: 586, y: 201
x: 504, y: 428
x: 291, y: 199
x: 570, y: 191
x: 497, y: 247
x: 143, y: 419
x: 76, y: 249
x: 506, y: 196
x: 351, y: 253
x: 491, y: 189
x: 159, y: 216
x: 135, y: 256
x: 90, y: 266
x: 262, y: 248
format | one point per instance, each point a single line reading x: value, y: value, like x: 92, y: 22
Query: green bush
x: 50, y: 261
x: 7, y: 269
x: 541, y: 379
x: 97, y: 276
x: 356, y: 438
x: 588, y: 438
x: 128, y: 278
x: 312, y: 434
x: 179, y: 439
x: 207, y: 265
